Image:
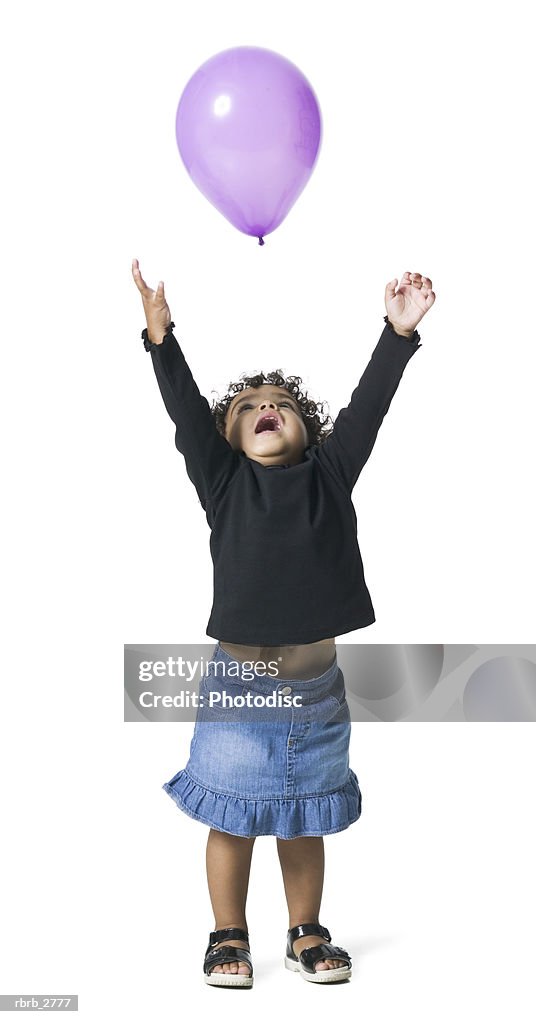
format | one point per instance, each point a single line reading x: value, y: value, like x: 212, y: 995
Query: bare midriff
x: 304, y: 661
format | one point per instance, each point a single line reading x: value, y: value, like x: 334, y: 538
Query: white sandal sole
x: 230, y: 980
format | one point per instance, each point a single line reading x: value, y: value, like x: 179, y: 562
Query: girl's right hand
x: 156, y: 308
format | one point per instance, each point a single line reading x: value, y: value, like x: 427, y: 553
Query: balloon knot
x: 261, y: 241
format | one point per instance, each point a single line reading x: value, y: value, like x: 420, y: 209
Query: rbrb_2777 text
x: 173, y: 667
x: 189, y: 698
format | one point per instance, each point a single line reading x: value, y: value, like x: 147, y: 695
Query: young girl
x: 276, y: 486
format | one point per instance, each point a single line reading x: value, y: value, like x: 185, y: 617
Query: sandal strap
x: 227, y: 933
x: 325, y: 951
x: 225, y: 955
x: 307, y: 929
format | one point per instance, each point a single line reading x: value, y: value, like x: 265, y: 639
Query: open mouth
x: 267, y: 423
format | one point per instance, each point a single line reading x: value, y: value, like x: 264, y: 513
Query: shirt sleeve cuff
x: 414, y: 339
x: 149, y: 345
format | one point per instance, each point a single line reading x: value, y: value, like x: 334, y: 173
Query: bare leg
x: 228, y: 868
x: 302, y: 866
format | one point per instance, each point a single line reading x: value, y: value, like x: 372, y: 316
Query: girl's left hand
x: 407, y: 306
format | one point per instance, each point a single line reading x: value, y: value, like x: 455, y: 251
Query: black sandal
x: 226, y: 955
x: 308, y: 957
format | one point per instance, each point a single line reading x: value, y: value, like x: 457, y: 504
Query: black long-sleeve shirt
x: 287, y: 565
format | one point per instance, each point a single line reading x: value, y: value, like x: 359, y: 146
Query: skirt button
x: 286, y: 690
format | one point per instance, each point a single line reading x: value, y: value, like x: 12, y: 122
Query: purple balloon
x: 248, y: 129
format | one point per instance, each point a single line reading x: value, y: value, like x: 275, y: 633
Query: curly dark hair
x: 318, y: 425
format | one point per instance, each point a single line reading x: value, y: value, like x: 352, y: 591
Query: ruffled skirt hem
x: 288, y: 818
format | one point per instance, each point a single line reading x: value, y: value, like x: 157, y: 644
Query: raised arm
x: 210, y: 460
x: 356, y: 427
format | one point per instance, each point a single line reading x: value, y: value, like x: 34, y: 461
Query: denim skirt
x: 269, y: 767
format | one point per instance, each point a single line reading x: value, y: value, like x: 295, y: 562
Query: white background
x: 425, y: 165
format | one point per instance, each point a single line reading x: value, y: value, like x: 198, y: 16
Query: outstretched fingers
x: 136, y: 273
x: 143, y: 286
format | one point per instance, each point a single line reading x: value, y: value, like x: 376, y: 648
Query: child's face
x: 282, y: 437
